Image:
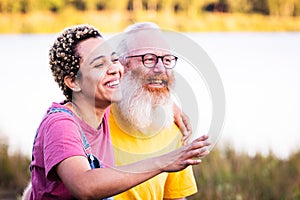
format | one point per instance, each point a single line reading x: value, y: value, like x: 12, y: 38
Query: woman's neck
x: 90, y: 114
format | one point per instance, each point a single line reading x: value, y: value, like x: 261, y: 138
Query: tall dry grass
x: 224, y: 174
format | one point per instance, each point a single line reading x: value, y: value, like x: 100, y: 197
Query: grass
x: 105, y: 21
x: 224, y: 174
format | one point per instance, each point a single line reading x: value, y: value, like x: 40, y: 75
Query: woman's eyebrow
x: 96, y: 59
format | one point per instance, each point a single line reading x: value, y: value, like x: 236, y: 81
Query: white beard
x: 143, y: 110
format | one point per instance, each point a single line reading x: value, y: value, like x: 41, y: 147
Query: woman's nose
x: 115, y: 68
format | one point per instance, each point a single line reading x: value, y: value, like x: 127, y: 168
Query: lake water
x: 260, y: 73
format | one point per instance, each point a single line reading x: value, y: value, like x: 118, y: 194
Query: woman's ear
x: 72, y: 83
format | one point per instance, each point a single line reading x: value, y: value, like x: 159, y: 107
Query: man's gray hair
x: 141, y: 25
x: 123, y: 49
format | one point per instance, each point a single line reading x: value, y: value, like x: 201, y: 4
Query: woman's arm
x: 85, y: 183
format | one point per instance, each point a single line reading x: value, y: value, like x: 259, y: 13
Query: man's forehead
x: 147, y: 39
x: 156, y: 51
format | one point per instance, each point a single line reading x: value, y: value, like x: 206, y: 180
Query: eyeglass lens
x: 150, y: 60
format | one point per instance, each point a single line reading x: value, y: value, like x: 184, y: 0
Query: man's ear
x: 72, y: 83
x: 125, y: 62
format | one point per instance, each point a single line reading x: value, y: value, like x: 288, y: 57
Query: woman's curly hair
x: 64, y: 59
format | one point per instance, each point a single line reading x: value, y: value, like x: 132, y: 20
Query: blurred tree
x: 282, y: 7
x: 79, y: 4
x: 167, y: 6
x: 53, y: 5
x: 240, y: 6
x: 297, y: 8
x: 152, y: 5
x: 260, y: 6
x: 10, y: 6
x: 137, y: 5
x: 194, y: 7
x: 179, y: 6
x: 91, y: 4
x: 116, y: 5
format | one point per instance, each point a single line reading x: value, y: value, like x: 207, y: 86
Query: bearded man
x: 142, y: 123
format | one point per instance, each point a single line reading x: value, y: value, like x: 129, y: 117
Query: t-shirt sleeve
x: 180, y: 184
x: 62, y: 139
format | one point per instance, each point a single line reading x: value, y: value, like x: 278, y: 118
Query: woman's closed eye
x: 99, y: 65
x: 100, y: 62
x: 114, y: 57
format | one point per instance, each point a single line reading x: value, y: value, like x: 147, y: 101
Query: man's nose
x: 159, y: 67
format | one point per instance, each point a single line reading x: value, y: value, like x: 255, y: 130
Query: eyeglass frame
x: 161, y: 57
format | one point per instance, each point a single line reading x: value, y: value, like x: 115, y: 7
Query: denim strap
x: 85, y: 143
x: 84, y: 140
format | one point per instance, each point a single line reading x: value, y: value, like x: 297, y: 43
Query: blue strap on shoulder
x: 84, y: 140
x: 85, y: 143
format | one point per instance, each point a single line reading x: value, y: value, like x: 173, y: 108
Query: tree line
x: 190, y: 7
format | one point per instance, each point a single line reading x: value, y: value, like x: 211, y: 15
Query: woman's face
x: 100, y: 72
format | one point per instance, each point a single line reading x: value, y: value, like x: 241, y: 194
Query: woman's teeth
x: 113, y: 83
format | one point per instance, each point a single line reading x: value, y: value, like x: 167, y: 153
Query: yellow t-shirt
x: 128, y: 149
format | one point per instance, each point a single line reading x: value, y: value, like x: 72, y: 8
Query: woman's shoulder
x: 59, y: 108
x: 58, y: 112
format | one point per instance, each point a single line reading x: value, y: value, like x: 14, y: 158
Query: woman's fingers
x: 202, y: 138
x: 190, y: 154
x: 198, y: 147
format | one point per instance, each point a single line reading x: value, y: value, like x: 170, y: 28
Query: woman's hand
x: 190, y: 154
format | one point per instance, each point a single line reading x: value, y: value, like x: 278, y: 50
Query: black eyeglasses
x: 150, y: 60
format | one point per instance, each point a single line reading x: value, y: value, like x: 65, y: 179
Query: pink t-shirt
x: 59, y: 137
